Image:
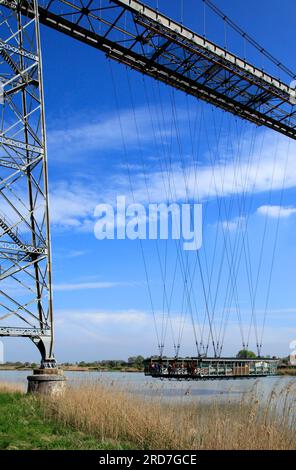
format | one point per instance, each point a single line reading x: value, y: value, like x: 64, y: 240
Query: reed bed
x: 11, y: 387
x: 114, y: 415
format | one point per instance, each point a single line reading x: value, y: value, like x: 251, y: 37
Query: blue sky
x: 102, y: 303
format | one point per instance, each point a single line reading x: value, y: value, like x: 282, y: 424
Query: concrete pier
x: 47, y: 382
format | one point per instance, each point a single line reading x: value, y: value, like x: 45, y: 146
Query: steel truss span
x: 147, y: 41
x: 25, y: 275
x: 209, y: 368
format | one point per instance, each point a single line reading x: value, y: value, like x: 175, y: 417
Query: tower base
x: 47, y: 382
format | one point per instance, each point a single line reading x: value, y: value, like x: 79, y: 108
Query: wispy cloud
x: 234, y: 224
x: 262, y: 171
x: 256, y: 172
x: 276, y: 211
x: 72, y: 205
x: 137, y: 317
x: 76, y: 253
x: 107, y: 131
x: 92, y: 285
x: 107, y: 333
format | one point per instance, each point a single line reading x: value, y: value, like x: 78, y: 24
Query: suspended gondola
x: 209, y: 368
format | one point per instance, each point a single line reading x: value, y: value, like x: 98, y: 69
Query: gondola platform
x: 209, y: 368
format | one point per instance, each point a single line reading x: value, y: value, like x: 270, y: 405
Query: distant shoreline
x: 75, y: 369
x: 287, y: 371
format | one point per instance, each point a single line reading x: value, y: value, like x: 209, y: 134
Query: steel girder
x: 147, y: 41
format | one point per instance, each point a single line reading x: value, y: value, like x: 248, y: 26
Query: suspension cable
x: 248, y: 38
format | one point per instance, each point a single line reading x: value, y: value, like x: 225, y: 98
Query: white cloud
x: 75, y: 253
x: 108, y: 131
x: 72, y: 202
x: 91, y: 285
x: 120, y: 333
x: 113, y: 334
x: 138, y: 318
x: 256, y: 172
x: 276, y: 211
x: 72, y: 206
x: 234, y: 224
x: 262, y: 171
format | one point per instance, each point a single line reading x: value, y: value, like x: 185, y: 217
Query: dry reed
x: 116, y: 416
x: 11, y: 387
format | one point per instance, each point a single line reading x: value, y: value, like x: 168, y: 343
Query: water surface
x: 175, y: 390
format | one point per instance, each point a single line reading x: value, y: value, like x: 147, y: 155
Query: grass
x: 23, y: 425
x: 105, y: 417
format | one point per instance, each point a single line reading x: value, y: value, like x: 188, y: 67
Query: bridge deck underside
x: 155, y: 45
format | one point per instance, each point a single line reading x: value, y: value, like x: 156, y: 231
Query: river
x: 175, y: 390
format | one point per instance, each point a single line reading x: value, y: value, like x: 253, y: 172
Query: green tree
x: 245, y: 354
x: 136, y: 361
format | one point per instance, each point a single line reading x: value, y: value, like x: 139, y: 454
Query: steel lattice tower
x: 25, y: 258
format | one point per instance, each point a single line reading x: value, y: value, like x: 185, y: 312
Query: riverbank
x: 288, y: 371
x: 100, y: 369
x: 106, y: 417
x: 75, y: 368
